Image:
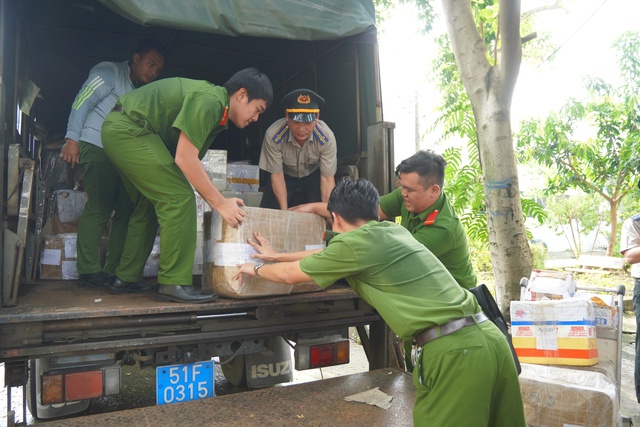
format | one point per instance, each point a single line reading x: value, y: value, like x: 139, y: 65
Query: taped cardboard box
x: 58, y: 257
x: 554, y: 285
x: 242, y: 177
x: 554, y: 332
x: 560, y: 397
x: 152, y: 265
x: 69, y: 204
x: 604, y: 309
x: 250, y: 198
x: 226, y: 247
x: 215, y: 163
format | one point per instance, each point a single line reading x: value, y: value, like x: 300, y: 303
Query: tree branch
x: 528, y: 37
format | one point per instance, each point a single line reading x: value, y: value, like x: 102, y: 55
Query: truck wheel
x: 31, y: 390
x: 235, y: 370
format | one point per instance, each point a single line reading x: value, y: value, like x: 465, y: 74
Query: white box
x: 552, y: 285
x: 215, y: 163
x: 242, y: 177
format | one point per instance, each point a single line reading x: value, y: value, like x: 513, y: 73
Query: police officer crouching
x: 299, y: 152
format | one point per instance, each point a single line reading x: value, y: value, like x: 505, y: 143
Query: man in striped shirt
x: 106, y: 82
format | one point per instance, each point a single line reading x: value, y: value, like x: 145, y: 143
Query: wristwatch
x: 257, y: 267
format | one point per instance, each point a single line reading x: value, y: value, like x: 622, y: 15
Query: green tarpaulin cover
x: 285, y: 19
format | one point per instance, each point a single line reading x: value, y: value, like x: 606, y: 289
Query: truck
x: 64, y: 344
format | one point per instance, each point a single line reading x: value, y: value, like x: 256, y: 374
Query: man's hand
x: 318, y: 208
x: 70, y: 152
x: 246, y: 268
x: 262, y: 245
x: 230, y: 211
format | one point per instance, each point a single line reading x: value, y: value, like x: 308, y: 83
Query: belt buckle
x: 415, y: 352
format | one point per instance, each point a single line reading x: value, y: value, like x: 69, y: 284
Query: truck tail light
x: 320, y: 355
x: 83, y: 385
x: 52, y: 389
x: 69, y: 387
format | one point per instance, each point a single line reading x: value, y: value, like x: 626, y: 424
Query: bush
x: 539, y: 254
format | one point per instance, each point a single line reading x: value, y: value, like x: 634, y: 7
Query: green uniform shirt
x: 405, y: 283
x: 445, y: 238
x: 166, y: 107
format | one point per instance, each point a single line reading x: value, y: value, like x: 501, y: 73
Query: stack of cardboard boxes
x: 554, y: 328
x: 58, y: 256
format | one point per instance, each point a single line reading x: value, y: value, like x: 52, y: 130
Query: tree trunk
x: 613, y: 233
x: 490, y: 90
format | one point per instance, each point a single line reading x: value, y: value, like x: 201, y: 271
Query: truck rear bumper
x: 313, y: 403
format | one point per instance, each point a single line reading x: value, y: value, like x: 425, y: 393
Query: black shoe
x: 178, y: 293
x: 120, y: 287
x: 98, y: 280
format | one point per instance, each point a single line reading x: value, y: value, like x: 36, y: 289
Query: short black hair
x: 427, y: 164
x: 145, y: 45
x: 354, y: 200
x: 257, y: 84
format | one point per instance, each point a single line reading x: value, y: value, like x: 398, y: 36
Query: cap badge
x: 304, y: 99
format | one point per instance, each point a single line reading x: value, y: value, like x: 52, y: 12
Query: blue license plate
x: 182, y: 383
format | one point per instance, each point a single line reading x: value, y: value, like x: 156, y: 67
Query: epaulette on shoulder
x: 320, y: 136
x: 282, y: 133
x: 431, y: 218
x: 636, y: 217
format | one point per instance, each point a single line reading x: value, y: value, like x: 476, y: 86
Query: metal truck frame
x: 56, y: 330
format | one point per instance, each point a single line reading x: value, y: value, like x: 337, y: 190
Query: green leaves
x: 594, y: 143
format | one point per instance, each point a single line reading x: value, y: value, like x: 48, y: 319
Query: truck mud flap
x: 270, y: 367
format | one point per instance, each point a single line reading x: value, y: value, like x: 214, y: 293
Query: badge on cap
x: 303, y: 105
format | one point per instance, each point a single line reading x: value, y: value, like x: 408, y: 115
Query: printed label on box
x: 51, y: 257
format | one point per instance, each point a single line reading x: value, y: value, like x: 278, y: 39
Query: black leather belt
x: 450, y: 327
x: 117, y: 108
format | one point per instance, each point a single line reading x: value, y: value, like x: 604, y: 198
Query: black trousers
x: 299, y: 191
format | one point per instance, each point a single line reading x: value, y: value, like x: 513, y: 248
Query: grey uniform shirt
x: 281, y: 152
x: 630, y: 238
x: 99, y: 93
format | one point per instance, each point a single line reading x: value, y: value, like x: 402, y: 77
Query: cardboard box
x: 69, y: 204
x: 561, y: 397
x: 215, y: 163
x: 226, y: 247
x: 152, y: 265
x: 604, y: 309
x: 58, y: 257
x: 250, y: 198
x: 549, y: 285
x: 243, y: 177
x: 559, y: 332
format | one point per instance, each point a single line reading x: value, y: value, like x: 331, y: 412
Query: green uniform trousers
x: 161, y: 196
x: 468, y: 378
x: 105, y: 194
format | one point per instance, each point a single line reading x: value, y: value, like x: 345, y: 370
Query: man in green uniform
x: 155, y: 137
x: 465, y: 374
x: 427, y: 213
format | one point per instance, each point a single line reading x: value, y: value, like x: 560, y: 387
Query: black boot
x: 178, y: 293
x: 99, y: 280
x: 120, y: 287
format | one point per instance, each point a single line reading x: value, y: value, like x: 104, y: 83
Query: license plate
x: 182, y: 383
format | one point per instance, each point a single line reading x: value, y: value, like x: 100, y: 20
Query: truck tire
x: 31, y: 390
x: 235, y: 370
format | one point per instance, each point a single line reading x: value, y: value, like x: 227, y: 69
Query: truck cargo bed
x: 66, y: 318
